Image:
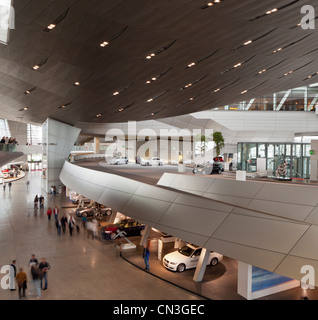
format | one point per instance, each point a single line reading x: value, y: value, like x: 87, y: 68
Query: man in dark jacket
x: 37, y: 279
x: 44, y: 267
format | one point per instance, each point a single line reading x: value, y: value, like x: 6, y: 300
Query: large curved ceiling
x: 231, y: 43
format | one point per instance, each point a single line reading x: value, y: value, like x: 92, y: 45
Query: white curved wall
x: 273, y: 243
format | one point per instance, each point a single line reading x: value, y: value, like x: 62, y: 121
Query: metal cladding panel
x: 268, y: 241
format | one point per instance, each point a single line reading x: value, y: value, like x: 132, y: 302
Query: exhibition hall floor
x: 83, y: 268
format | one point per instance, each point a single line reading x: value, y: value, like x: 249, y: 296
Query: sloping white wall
x: 270, y: 242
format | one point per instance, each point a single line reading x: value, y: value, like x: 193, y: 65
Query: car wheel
x: 108, y: 212
x: 220, y: 171
x: 113, y: 236
x: 181, y: 267
x: 214, y: 261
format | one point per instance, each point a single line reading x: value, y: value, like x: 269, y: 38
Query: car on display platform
x: 119, y: 160
x: 126, y: 227
x: 93, y: 211
x: 209, y: 169
x: 154, y: 161
x: 78, y: 197
x: 187, y: 257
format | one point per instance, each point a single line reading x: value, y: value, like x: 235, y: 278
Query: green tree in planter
x: 219, y: 142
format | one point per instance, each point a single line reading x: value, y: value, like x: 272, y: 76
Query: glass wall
x: 293, y: 157
x: 297, y: 99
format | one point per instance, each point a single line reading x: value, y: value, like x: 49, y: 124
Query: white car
x: 154, y: 161
x: 187, y: 257
x: 119, y: 160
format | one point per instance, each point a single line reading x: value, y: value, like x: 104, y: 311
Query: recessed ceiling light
x: 210, y: 4
x: 248, y: 42
x: 51, y: 26
x: 243, y: 91
x: 191, y: 64
x: 25, y: 108
x: 104, y: 44
x: 76, y: 83
x: 148, y: 81
x: 237, y: 65
x: 271, y: 11
x: 149, y: 100
x: 121, y: 109
x: 36, y: 67
x: 262, y: 71
x: 217, y: 90
x: 99, y: 115
x: 115, y: 93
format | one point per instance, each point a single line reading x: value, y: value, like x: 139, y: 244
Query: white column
x: 145, y: 236
x: 57, y: 141
x: 96, y: 145
x: 201, y: 266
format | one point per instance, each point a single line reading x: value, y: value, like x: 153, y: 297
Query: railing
x: 11, y: 147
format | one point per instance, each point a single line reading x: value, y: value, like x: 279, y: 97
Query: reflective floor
x: 81, y: 267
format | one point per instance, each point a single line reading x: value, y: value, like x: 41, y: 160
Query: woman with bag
x: 22, y: 280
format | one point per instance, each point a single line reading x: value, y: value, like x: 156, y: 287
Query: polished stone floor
x: 81, y: 268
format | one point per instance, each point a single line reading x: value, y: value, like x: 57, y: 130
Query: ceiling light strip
x: 274, y: 10
x: 58, y: 20
x: 254, y: 39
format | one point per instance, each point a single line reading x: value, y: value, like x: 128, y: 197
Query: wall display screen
x: 263, y: 279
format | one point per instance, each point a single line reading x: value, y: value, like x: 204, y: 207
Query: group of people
x: 62, y: 223
x: 38, y: 273
x: 38, y: 201
x: 7, y: 140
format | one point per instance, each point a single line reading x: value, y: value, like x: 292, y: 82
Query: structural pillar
x: 96, y: 145
x: 145, y: 236
x: 57, y: 142
x: 201, y: 266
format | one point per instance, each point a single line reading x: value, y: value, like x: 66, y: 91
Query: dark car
x: 127, y: 227
x: 217, y: 168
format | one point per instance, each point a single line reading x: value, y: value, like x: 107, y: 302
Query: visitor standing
x: 49, y: 213
x: 13, y: 273
x: 10, y: 185
x: 22, y: 280
x: 44, y: 266
x: 145, y: 255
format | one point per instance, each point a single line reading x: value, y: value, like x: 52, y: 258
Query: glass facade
x: 295, y: 155
x: 297, y: 99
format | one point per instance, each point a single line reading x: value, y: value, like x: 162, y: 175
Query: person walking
x: 49, y: 213
x: 44, y: 266
x: 41, y: 201
x: 64, y: 222
x: 58, y: 226
x: 36, y: 200
x: 145, y: 255
x: 71, y: 225
x: 22, y: 280
x: 13, y: 273
x: 10, y: 185
x: 56, y: 213
x: 4, y: 185
x: 33, y: 261
x: 36, y: 278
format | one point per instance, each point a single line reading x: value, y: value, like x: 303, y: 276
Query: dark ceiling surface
x: 176, y: 32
